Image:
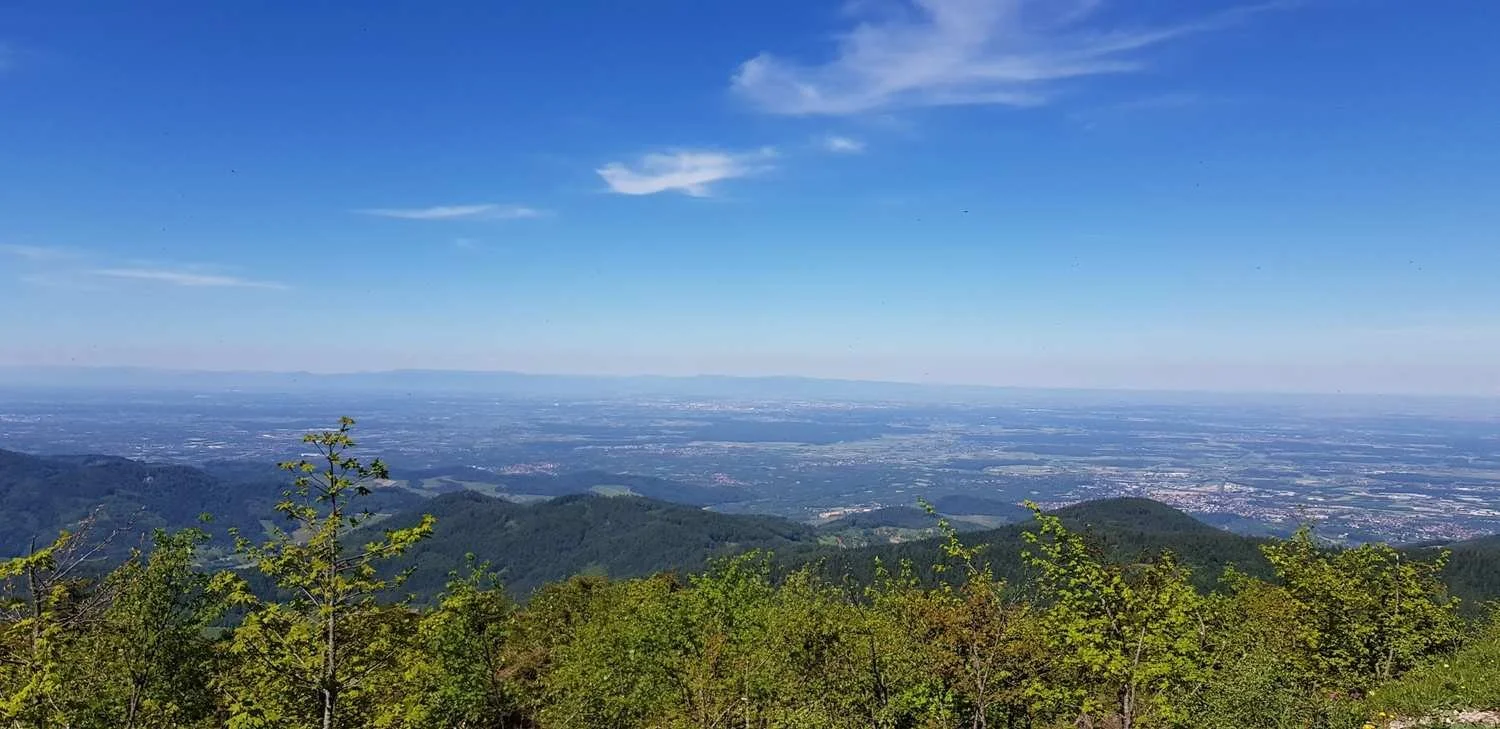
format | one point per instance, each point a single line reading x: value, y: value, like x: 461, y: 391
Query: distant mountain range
x: 495, y: 382
x: 613, y: 386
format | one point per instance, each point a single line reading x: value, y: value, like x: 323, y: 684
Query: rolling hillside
x: 1473, y: 570
x: 622, y: 536
x: 41, y: 495
x: 1124, y: 528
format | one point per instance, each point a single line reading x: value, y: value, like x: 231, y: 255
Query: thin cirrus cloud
x: 70, y: 268
x: 691, y: 172
x: 191, y: 279
x: 955, y: 52
x: 842, y: 145
x: 480, y: 211
x: 36, y: 253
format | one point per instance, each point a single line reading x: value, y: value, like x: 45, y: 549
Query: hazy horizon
x: 453, y: 379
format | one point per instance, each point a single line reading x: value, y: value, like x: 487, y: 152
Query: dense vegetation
x: 1473, y: 568
x: 1124, y: 529
x: 42, y: 494
x: 1327, y: 638
x: 533, y: 544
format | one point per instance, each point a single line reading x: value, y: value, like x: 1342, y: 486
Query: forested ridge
x: 42, y: 494
x: 1124, y: 614
x: 625, y: 536
x: 532, y: 544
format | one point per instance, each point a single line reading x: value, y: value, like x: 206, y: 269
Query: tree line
x: 1087, y: 642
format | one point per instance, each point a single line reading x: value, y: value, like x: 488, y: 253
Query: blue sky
x: 1284, y: 196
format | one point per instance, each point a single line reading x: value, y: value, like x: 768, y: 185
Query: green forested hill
x: 1132, y: 528
x: 41, y: 495
x: 1124, y: 529
x: 630, y: 536
x: 622, y: 536
x: 1473, y: 570
x: 889, y: 525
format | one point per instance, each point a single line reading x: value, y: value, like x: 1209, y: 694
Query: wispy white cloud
x: 71, y: 268
x: 690, y: 172
x: 37, y: 253
x: 842, y: 145
x: 480, y: 211
x: 951, y: 52
x: 195, y: 279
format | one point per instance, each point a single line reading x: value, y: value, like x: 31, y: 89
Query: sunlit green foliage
x: 153, y: 658
x: 130, y: 650
x: 452, y: 671
x: 324, y: 655
x: 1129, y: 638
x: 1365, y: 614
x: 45, y: 618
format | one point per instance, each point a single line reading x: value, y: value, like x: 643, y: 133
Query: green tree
x: 453, y: 676
x: 148, y: 662
x: 722, y: 677
x: 321, y: 656
x: 1258, y: 673
x: 822, y: 660
x: 45, y: 607
x: 906, y: 656
x: 980, y: 643
x: 1367, y: 614
x: 616, y: 665
x: 1469, y: 678
x: 1129, y: 637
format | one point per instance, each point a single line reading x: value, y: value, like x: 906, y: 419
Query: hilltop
x: 1123, y: 528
